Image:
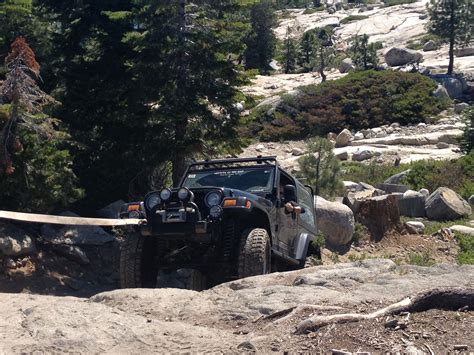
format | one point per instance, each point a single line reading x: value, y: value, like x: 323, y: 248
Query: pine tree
x: 306, y: 51
x: 452, y: 20
x: 290, y: 53
x: 363, y: 53
x: 323, y: 52
x: 261, y: 41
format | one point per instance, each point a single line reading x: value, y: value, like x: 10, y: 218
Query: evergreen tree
x: 363, y: 53
x: 320, y: 168
x: 323, y: 52
x: 452, y: 20
x: 290, y: 53
x: 261, y: 41
x: 306, y: 52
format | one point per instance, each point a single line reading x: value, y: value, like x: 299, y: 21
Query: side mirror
x: 289, y: 193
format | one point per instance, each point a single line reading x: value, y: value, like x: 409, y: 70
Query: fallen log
x: 450, y: 299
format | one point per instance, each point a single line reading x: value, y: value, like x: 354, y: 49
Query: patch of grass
x: 313, y: 10
x: 421, y: 259
x: 335, y: 258
x: 419, y: 42
x: 466, y: 249
x: 352, y: 18
x: 388, y: 3
x: 371, y: 174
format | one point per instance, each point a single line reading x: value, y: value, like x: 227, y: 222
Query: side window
x: 305, y: 199
x: 284, y: 180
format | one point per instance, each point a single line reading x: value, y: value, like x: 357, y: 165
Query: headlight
x: 165, y: 194
x: 213, y: 198
x: 152, y: 200
x: 184, y: 194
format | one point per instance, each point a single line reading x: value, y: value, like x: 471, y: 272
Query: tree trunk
x: 322, y: 64
x: 452, y: 38
x: 180, y: 127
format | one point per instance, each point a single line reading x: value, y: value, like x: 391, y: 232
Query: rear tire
x: 255, y: 253
x: 138, y: 264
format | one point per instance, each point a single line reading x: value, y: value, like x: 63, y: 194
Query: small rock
x: 460, y: 107
x: 331, y: 10
x: 415, y: 227
x: 463, y: 229
x: 424, y: 192
x: 440, y: 91
x: 442, y: 145
x: 392, y: 323
x: 343, y: 138
x: 239, y: 106
x: 346, y: 66
x: 340, y: 352
x: 460, y: 347
x: 423, y: 16
x: 342, y: 156
x: 430, y: 46
x: 395, y: 125
x: 332, y: 136
x: 297, y: 152
x: 260, y: 148
x: 247, y: 346
x: 14, y: 241
x: 401, y: 56
x: 9, y: 263
x: 362, y: 155
x: 358, y: 136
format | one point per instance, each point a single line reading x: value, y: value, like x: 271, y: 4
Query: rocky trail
x: 259, y: 313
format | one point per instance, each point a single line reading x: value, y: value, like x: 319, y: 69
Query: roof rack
x: 267, y: 160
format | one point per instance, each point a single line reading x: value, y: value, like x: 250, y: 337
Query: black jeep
x: 228, y: 219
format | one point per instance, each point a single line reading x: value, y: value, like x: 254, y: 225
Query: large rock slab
x: 412, y: 204
x: 397, y: 178
x: 445, y: 204
x: 395, y: 57
x: 75, y: 235
x: 335, y: 221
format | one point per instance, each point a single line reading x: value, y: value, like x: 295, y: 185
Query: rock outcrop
x: 445, y: 204
x: 346, y: 66
x: 412, y: 204
x: 343, y: 138
x: 14, y: 241
x: 335, y: 221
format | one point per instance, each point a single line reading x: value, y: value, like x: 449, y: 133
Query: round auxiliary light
x: 152, y: 200
x: 215, y: 211
x: 165, y: 194
x: 184, y: 194
x: 213, y: 198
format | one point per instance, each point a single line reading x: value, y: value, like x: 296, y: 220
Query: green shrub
x: 458, y: 175
x: 421, y: 259
x: 418, y: 43
x: 466, y: 249
x: 467, y: 139
x: 352, y: 18
x: 359, y: 100
x: 372, y: 174
x: 388, y: 3
x: 313, y: 10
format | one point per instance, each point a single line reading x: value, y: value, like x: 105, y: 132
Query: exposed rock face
x: 379, y: 214
x: 430, y: 46
x: 342, y: 156
x: 445, y: 204
x: 343, y: 138
x: 412, y: 204
x: 76, y: 235
x: 14, y: 241
x: 389, y: 188
x: 395, y: 57
x: 297, y: 152
x: 346, y: 66
x: 335, y: 221
x: 397, y: 178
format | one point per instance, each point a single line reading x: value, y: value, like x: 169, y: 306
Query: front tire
x: 138, y: 264
x: 255, y: 253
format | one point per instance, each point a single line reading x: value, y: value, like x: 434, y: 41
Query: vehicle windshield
x: 245, y: 179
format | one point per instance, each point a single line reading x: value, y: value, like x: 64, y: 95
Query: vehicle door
x: 287, y: 222
x: 306, y: 228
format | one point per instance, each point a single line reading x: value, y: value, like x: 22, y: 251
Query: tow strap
x: 77, y: 221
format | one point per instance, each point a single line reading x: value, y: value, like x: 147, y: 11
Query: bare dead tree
x: 21, y: 90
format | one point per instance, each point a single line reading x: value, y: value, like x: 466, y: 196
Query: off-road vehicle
x: 227, y: 219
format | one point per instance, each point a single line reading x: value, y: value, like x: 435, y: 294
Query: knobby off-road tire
x: 254, y: 257
x: 137, y: 261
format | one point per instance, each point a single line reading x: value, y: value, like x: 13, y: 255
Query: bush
x: 466, y: 249
x: 352, y: 18
x: 467, y: 139
x: 418, y: 43
x: 372, y: 174
x: 359, y: 100
x: 457, y: 175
